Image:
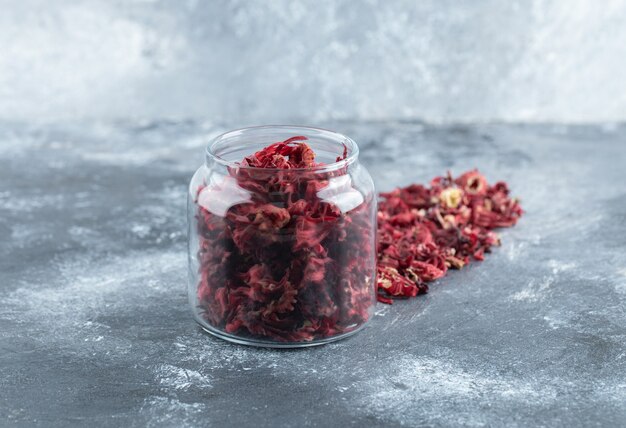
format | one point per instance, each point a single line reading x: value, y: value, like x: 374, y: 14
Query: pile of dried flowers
x: 424, y: 231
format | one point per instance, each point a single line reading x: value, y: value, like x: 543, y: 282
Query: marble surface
x: 95, y: 328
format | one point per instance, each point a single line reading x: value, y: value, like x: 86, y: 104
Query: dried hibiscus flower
x: 287, y: 247
x: 423, y: 231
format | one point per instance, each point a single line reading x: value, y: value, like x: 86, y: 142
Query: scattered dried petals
x: 423, y: 231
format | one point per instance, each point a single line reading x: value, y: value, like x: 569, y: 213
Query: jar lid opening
x: 230, y: 148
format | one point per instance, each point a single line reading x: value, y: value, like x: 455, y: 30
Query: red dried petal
x: 394, y: 284
x: 270, y: 217
x: 426, y: 271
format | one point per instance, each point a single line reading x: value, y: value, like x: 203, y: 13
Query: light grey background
x: 247, y: 62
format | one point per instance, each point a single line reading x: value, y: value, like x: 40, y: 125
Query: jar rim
x: 221, y: 141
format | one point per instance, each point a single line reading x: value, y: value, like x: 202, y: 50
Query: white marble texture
x: 255, y: 62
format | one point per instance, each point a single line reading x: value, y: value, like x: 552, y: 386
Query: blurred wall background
x: 264, y: 61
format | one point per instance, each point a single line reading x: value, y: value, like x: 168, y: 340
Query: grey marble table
x: 95, y: 328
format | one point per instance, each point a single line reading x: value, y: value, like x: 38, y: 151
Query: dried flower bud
x: 451, y: 197
x: 473, y: 182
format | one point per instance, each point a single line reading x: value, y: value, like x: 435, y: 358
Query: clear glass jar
x: 282, y: 257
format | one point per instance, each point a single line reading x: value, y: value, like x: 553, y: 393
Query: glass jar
x: 282, y: 257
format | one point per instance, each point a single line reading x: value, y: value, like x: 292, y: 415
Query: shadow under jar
x: 282, y: 257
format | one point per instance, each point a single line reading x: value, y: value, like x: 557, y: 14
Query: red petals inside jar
x: 284, y: 246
